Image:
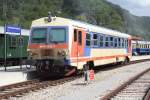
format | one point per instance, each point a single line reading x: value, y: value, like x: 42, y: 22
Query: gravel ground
x: 104, y: 82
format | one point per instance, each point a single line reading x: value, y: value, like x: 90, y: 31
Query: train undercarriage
x: 50, y: 68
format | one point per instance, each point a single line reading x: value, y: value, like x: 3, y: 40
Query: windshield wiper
x: 55, y: 42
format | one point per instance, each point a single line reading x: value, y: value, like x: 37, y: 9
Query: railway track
x: 18, y: 89
x: 136, y: 88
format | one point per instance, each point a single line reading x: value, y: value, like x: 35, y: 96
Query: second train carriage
x: 61, y: 45
x: 140, y: 47
x: 16, y: 47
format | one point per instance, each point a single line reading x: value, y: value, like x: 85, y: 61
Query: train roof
x: 141, y: 42
x: 23, y: 31
x: 59, y: 21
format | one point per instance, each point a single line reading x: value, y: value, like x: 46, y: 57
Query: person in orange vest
x: 85, y: 69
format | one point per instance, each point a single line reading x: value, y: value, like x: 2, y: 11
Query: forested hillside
x: 98, y: 12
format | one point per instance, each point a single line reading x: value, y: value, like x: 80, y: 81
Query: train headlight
x: 61, y: 53
x: 30, y: 53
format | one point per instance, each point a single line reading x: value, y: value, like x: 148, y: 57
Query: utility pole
x: 20, y: 37
x: 5, y: 44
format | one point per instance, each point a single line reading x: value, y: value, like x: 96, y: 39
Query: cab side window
x: 75, y: 35
x: 80, y: 37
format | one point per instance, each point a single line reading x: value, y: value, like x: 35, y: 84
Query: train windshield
x: 57, y: 35
x: 39, y: 35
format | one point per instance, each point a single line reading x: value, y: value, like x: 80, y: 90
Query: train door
x: 78, y: 43
x: 129, y: 45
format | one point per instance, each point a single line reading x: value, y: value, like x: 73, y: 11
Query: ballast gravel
x: 104, y: 82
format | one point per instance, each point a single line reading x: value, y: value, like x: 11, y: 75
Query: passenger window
x: 20, y: 41
x: 13, y: 42
x: 88, y: 39
x: 126, y: 43
x: 111, y: 41
x: 106, y: 41
x: 80, y: 38
x: 119, y: 42
x: 101, y: 40
x: 95, y: 39
x: 122, y: 43
x: 75, y: 35
x: 133, y: 45
x: 115, y: 42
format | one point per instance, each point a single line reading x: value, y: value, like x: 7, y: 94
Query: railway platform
x: 15, y: 74
x: 140, y: 57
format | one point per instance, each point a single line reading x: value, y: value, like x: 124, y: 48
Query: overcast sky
x: 136, y: 7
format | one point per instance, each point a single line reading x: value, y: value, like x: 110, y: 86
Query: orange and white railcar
x: 60, y: 44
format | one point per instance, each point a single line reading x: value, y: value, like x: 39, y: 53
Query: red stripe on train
x: 49, y: 46
x: 97, y: 58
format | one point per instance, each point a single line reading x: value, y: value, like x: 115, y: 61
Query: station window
x: 111, y: 41
x: 95, y: 39
x: 88, y: 41
x: 13, y: 41
x: 115, y: 43
x: 106, y: 41
x: 101, y: 41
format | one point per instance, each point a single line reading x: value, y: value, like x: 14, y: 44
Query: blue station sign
x: 12, y: 29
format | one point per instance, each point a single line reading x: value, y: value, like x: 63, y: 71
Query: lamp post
x: 5, y: 48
